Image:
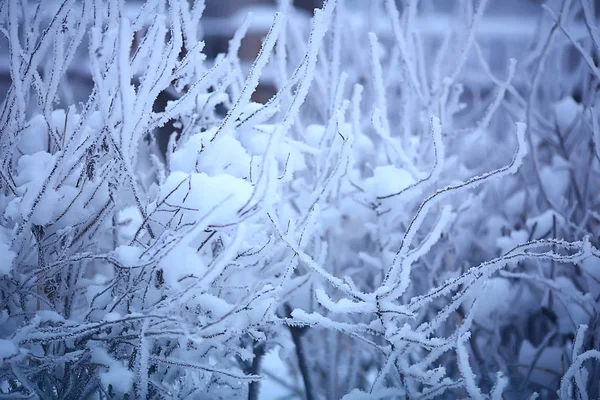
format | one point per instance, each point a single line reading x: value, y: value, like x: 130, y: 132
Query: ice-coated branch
x: 398, y: 269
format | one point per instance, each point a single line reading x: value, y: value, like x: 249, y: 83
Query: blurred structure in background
x: 222, y: 18
x: 509, y: 28
x: 508, y: 31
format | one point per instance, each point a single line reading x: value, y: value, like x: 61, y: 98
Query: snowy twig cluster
x: 392, y: 234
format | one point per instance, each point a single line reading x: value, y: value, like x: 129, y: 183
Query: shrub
x: 356, y: 221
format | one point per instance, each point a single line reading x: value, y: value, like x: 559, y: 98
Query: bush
x: 393, y: 230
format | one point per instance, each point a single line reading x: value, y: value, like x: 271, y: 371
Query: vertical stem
x: 259, y: 352
x: 300, y: 355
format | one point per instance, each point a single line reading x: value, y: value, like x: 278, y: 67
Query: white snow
x: 565, y: 112
x: 591, y: 267
x: 494, y: 302
x: 314, y: 134
x: 7, y: 349
x: 506, y: 243
x: 199, y: 196
x: 387, y: 180
x: 544, y: 222
x: 570, y: 313
x: 115, y: 373
x: 270, y: 388
x: 224, y: 155
x: 291, y: 202
x: 549, y: 364
x: 33, y: 171
x: 35, y: 137
x: 180, y: 262
x: 6, y: 260
x: 129, y: 221
x: 128, y: 255
x: 118, y: 376
x: 556, y: 178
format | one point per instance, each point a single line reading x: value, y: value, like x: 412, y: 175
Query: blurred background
x: 508, y: 30
x: 509, y: 27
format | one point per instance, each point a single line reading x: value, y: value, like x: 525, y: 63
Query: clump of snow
x: 493, y: 303
x: 34, y: 138
x: 224, y: 154
x: 49, y: 316
x: 276, y: 365
x: 353, y: 217
x: 494, y: 226
x: 388, y: 180
x: 249, y: 109
x: 363, y: 147
x: 215, y: 305
x: 556, y: 178
x: 256, y: 141
x: 313, y: 134
x: 385, y: 393
x: 112, y: 316
x: 129, y: 221
x: 116, y: 374
x: 199, y: 196
x: 343, y: 305
x: 591, y: 267
x: 515, y: 204
x: 288, y: 153
x: 543, y: 223
x: 506, y: 243
x: 7, y: 349
x: 565, y: 112
x: 33, y: 171
x: 180, y: 262
x: 128, y: 255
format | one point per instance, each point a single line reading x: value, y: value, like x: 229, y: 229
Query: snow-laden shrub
x: 352, y: 222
